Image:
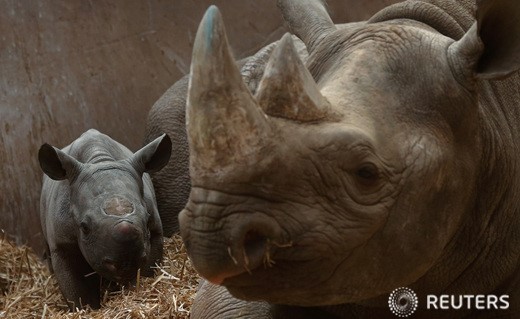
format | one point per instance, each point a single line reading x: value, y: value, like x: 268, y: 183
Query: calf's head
x: 342, y: 179
x: 109, y: 207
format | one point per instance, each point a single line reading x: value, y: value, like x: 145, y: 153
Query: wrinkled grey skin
x: 99, y: 214
x: 168, y: 115
x: 402, y: 171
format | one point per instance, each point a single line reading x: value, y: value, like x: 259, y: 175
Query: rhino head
x: 109, y: 206
x: 344, y: 178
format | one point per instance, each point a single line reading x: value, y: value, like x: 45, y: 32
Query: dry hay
x: 29, y: 291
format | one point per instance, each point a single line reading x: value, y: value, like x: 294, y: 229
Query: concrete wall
x: 70, y: 65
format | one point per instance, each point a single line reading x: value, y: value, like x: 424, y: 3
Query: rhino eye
x: 367, y: 173
x: 85, y: 229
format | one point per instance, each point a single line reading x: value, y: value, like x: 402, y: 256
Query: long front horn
x: 224, y: 123
x: 308, y: 19
x: 287, y: 89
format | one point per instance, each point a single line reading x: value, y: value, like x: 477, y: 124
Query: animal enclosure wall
x: 70, y: 65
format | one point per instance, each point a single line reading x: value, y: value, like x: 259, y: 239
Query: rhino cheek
x: 92, y: 254
x: 421, y: 222
x: 345, y: 261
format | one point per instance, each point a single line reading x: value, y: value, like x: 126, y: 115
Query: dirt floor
x: 30, y: 291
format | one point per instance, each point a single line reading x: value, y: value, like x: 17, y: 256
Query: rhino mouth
x: 225, y: 240
x: 250, y: 251
x: 121, y: 273
x: 285, y: 281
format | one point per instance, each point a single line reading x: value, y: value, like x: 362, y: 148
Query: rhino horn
x: 224, y: 123
x: 308, y: 19
x: 287, y: 89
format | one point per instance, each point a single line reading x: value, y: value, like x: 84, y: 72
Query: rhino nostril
x: 143, y: 258
x: 254, y: 248
x: 110, y: 265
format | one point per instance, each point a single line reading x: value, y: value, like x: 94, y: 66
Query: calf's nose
x: 125, y: 231
x: 110, y: 265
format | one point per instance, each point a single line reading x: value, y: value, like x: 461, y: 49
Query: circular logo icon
x: 403, y: 302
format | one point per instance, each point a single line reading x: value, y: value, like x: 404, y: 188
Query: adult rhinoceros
x: 390, y: 158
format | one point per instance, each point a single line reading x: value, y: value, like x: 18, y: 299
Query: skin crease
x: 389, y: 194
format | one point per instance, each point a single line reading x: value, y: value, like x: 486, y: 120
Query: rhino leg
x: 156, y: 253
x: 71, y: 272
x: 47, y: 258
x: 214, y: 301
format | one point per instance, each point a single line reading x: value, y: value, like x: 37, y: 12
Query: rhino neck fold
x: 432, y: 13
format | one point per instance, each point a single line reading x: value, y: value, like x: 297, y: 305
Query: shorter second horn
x: 288, y: 90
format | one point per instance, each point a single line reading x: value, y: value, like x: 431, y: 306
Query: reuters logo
x: 403, y: 302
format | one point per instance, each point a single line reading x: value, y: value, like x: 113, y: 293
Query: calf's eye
x: 85, y: 229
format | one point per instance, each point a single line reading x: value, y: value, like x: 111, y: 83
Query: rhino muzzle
x: 122, y: 271
x: 247, y: 244
x: 126, y: 232
x: 124, y: 253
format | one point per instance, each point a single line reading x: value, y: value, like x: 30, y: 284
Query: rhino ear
x: 491, y: 47
x: 288, y: 90
x: 153, y: 156
x: 308, y: 19
x: 57, y: 164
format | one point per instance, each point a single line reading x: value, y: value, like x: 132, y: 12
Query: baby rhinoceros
x: 99, y: 214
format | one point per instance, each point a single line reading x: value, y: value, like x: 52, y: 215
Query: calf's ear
x: 491, y: 48
x: 57, y: 164
x: 154, y: 156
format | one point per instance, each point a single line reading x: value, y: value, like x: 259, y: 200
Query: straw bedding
x: 28, y: 290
